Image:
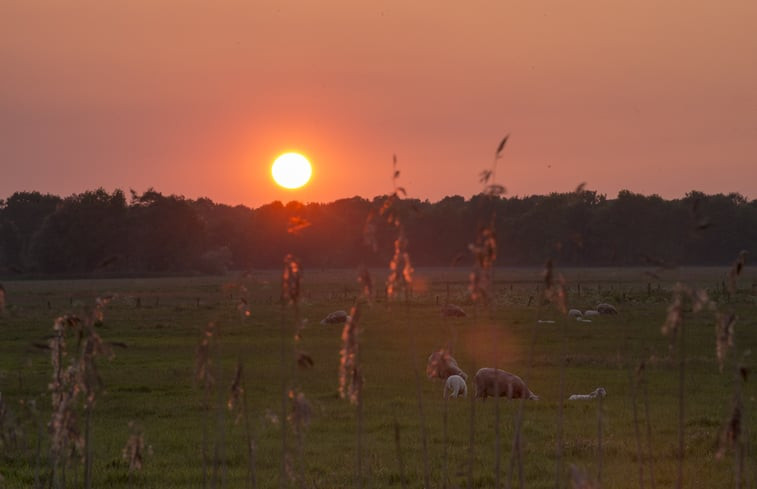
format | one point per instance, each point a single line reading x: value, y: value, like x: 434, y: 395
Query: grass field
x: 404, y: 438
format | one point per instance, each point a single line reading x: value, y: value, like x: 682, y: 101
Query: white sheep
x: 455, y: 386
x: 441, y: 365
x: 493, y: 381
x: 590, y: 313
x: 575, y: 313
x: 336, y: 317
x: 606, y: 308
x: 451, y: 310
x: 598, y: 392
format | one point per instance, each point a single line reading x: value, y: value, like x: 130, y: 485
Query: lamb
x: 451, y: 310
x: 491, y: 381
x: 454, y: 386
x: 336, y: 317
x: 575, y: 313
x: 598, y: 392
x: 591, y: 312
x: 441, y: 365
x: 606, y: 309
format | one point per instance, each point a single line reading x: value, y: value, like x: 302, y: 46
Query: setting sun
x: 291, y: 170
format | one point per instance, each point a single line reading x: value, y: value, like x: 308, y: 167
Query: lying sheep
x: 598, y: 392
x: 606, y: 309
x: 336, y: 317
x: 455, y: 386
x: 491, y: 381
x: 451, y: 310
x: 441, y: 365
x: 591, y: 312
x: 575, y: 313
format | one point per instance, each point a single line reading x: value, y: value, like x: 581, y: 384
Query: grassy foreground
x: 157, y: 325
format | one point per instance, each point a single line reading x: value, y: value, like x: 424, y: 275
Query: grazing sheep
x: 455, y: 386
x: 598, y: 392
x: 575, y: 313
x: 336, y: 317
x: 606, y: 309
x: 441, y: 365
x: 491, y: 381
x: 590, y: 312
x: 451, y: 310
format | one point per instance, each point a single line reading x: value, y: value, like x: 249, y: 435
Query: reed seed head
x: 290, y: 279
x: 350, y: 378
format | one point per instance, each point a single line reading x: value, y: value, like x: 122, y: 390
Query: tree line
x: 96, y: 232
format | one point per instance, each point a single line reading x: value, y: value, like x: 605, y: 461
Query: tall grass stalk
x: 445, y: 441
x: 471, y: 441
x: 600, y: 448
x: 645, y: 400
x: 560, y: 407
x: 424, y: 437
x: 284, y: 397
x: 359, y: 431
x: 516, y: 454
x: 398, y: 450
x: 633, y: 383
x: 681, y: 401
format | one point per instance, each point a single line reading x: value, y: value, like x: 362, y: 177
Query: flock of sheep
x: 487, y: 381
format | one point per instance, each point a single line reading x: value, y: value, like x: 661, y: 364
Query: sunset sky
x: 198, y: 98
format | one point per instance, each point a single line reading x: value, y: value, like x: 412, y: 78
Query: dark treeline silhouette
x: 97, y: 232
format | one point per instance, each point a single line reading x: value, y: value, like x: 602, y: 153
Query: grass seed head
x: 400, y: 268
x: 236, y: 392
x: 579, y: 479
x: 350, y: 378
x: 674, y: 318
x: 736, y: 269
x: 724, y: 333
x: 134, y: 451
x: 203, y: 362
x: 290, y: 279
x: 300, y: 412
x: 366, y: 281
x: 484, y: 251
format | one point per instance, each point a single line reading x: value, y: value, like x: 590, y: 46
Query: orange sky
x: 197, y: 98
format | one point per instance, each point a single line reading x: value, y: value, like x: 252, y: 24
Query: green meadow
x: 403, y: 433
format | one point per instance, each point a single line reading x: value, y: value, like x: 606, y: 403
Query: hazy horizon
x: 198, y: 99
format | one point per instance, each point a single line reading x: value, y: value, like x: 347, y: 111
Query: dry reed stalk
x: 424, y: 436
x: 634, y: 394
x: 299, y: 418
x: 600, y: 448
x: 29, y: 407
x: 735, y: 272
x: 350, y: 377
x: 579, y: 479
x: 724, y: 336
x: 291, y: 287
x: 645, y: 398
x: 80, y: 380
x: 398, y: 449
x: 205, y: 379
x: 238, y: 402
x: 471, y: 440
x: 554, y: 292
x: 134, y: 451
x: 733, y: 434
x: 674, y: 326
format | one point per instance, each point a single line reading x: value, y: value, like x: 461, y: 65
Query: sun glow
x: 291, y: 170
